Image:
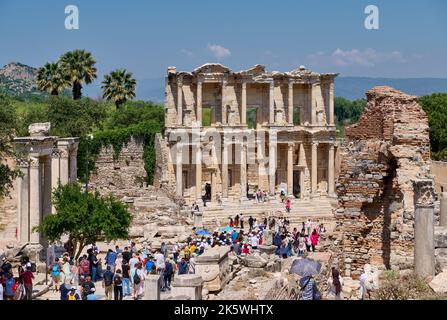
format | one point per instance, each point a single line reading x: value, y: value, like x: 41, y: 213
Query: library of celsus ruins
x: 231, y: 133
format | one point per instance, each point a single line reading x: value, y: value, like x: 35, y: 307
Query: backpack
x: 72, y: 296
x: 117, y: 280
x: 33, y: 267
x: 136, y: 278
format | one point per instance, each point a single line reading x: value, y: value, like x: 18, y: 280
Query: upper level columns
x: 313, y: 104
x: 179, y: 101
x: 331, y: 103
x: 224, y: 106
x: 199, y: 102
x: 290, y: 104
x: 244, y: 103
x: 271, y: 103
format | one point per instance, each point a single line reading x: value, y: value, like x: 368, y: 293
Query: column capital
x: 34, y: 162
x: 23, y: 163
x: 291, y: 145
x: 291, y: 82
x: 315, y: 143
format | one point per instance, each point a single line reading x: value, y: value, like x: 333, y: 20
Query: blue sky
x: 146, y: 37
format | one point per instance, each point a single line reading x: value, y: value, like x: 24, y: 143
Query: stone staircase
x: 316, y: 209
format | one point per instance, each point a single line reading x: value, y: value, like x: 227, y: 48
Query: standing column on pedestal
x: 198, y: 172
x: 73, y: 165
x: 271, y: 103
x: 272, y: 165
x: 330, y: 178
x: 35, y: 203
x: 243, y: 193
x: 303, y: 167
x: 443, y: 211
x: 64, y: 168
x: 225, y: 169
x: 55, y: 177
x: 179, y: 102
x: 46, y: 187
x: 179, y: 172
x: 290, y: 148
x: 223, y: 102
x: 313, y: 107
x: 23, y: 203
x: 331, y: 103
x: 199, y: 102
x: 314, y: 168
x: 290, y: 104
x: 244, y: 103
x: 260, y: 154
x: 424, y: 249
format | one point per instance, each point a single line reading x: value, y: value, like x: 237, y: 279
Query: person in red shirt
x: 28, y: 277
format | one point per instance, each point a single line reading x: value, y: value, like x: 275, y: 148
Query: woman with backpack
x: 137, y: 276
x: 309, y: 289
x: 55, y: 274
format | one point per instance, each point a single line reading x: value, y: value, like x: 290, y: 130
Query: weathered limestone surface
x: 383, y: 153
x: 214, y: 268
x: 189, y: 285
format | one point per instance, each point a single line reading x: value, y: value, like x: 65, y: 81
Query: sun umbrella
x: 305, y: 267
x: 226, y: 229
x: 202, y: 232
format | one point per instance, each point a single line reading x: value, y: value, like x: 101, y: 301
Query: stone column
x: 290, y: 148
x: 47, y: 187
x: 224, y: 108
x: 313, y: 109
x: 23, y: 203
x: 198, y: 221
x: 243, y: 193
x: 35, y: 203
x: 213, y: 185
x: 271, y: 103
x: 290, y: 105
x: 330, y: 178
x: 179, y: 170
x: 64, y: 166
x: 55, y: 177
x: 331, y: 103
x: 272, y: 166
x: 424, y: 250
x: 443, y: 211
x: 73, y: 165
x: 152, y: 285
x: 261, y: 162
x: 198, y: 172
x: 180, y: 102
x: 225, y: 169
x: 244, y: 103
x: 314, y: 168
x: 199, y: 102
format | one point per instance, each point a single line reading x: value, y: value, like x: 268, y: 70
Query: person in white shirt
x: 1, y: 292
x: 159, y: 262
x: 254, y: 242
x: 133, y: 261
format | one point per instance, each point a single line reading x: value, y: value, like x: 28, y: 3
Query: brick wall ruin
x: 383, y: 153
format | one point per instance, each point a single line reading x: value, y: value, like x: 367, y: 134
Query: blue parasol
x: 305, y: 267
x: 202, y: 232
x: 226, y: 229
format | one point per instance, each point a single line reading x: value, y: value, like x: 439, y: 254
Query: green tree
x: 50, y: 78
x: 435, y: 106
x: 119, y: 86
x: 85, y: 217
x: 78, y: 66
x: 8, y: 124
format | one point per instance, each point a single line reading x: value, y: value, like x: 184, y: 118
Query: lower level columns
x: 290, y: 149
x: 198, y: 173
x: 225, y: 171
x: 179, y: 171
x: 331, y: 164
x: 314, y: 168
x: 23, y: 203
x: 243, y: 193
x: 443, y: 211
x: 272, y: 168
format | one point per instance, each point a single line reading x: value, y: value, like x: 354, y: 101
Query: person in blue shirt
x: 149, y: 264
x: 183, y: 267
x: 9, y: 284
x: 110, y: 259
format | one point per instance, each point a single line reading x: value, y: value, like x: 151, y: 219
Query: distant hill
x: 355, y: 87
x: 18, y: 79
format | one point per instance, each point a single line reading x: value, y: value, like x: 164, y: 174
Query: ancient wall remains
x: 382, y: 154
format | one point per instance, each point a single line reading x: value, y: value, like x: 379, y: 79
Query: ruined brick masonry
x: 387, y: 149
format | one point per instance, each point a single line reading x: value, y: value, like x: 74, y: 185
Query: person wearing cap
x: 72, y: 294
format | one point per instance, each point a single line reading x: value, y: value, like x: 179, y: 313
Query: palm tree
x: 119, y: 86
x: 78, y: 65
x: 51, y: 79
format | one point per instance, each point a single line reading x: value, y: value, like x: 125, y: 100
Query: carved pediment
x: 212, y: 68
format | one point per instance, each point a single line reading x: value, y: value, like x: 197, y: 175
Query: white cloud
x: 219, y: 51
x: 355, y: 57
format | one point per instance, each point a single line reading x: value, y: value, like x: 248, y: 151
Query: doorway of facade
x: 296, y: 183
x: 252, y: 116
